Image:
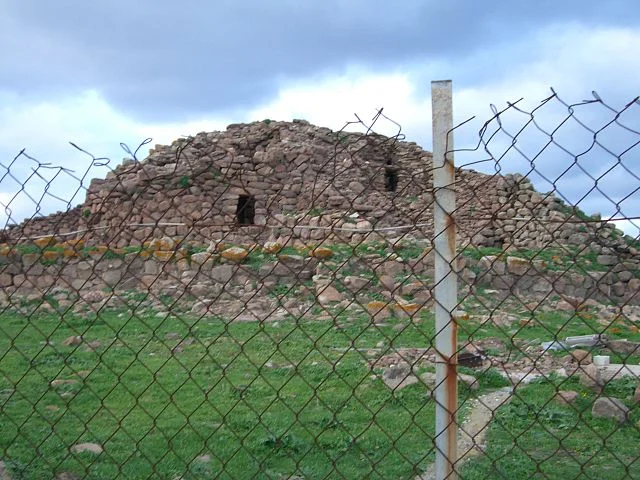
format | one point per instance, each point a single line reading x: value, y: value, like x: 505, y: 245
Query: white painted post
x: 446, y: 287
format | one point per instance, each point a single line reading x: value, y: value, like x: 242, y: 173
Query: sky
x: 99, y: 74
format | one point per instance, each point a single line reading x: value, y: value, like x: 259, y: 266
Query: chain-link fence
x: 261, y: 303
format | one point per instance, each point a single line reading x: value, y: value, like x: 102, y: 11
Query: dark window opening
x: 246, y: 210
x: 390, y: 181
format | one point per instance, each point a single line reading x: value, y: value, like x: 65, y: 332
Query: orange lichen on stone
x: 76, y: 243
x: 50, y: 255
x: 271, y: 247
x: 163, y: 255
x: 235, y: 254
x: 407, y: 307
x: 322, y: 252
x: 376, y: 306
x: 44, y: 242
x: 221, y: 247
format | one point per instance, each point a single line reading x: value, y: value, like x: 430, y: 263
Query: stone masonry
x: 289, y: 176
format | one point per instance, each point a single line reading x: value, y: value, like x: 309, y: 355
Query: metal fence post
x: 445, y: 294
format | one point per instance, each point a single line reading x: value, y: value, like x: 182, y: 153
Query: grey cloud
x: 161, y: 59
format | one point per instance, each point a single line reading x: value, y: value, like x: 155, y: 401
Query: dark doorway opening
x: 246, y: 210
x: 390, y: 180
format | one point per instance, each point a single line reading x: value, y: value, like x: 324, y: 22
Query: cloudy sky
x: 105, y: 72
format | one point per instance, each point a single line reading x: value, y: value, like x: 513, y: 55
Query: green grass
x: 533, y: 437
x: 266, y: 401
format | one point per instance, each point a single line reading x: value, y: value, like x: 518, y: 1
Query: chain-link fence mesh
x: 258, y: 303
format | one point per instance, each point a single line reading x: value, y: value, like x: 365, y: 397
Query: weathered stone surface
x: 397, y: 377
x: 624, y: 347
x: 72, y: 341
x: 64, y: 476
x: 281, y: 169
x: 591, y: 377
x: 4, y: 472
x: 518, y: 266
x: 60, y: 382
x: 44, y: 242
x: 200, y: 290
x: 202, y: 259
x: 221, y: 273
x: 494, y: 264
x: 329, y: 294
x: 607, y: 259
x: 393, y: 268
x: 322, y: 252
x: 271, y: 247
x: 387, y: 282
x: 112, y: 277
x: 565, y: 397
x: 235, y: 254
x: 580, y: 356
x: 5, y: 280
x: 469, y: 380
x: 610, y: 407
x: 356, y: 283
x: 429, y: 379
x: 87, y: 447
x: 94, y: 296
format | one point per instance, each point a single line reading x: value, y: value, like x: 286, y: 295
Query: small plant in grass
x: 280, y: 290
x: 477, y: 253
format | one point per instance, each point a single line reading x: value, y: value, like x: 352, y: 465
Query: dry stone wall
x: 211, y: 276
x: 309, y: 183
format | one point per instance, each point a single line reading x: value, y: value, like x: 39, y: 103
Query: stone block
x: 610, y: 407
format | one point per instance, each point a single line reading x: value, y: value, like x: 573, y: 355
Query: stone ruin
x: 293, y: 183
x: 270, y: 179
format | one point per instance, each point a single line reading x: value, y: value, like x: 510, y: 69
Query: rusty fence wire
x: 261, y: 303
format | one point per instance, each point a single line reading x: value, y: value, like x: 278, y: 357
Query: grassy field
x: 263, y: 401
x: 290, y: 399
x: 533, y: 437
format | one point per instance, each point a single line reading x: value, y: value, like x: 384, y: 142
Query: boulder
x: 328, y: 295
x: 623, y: 347
x: 591, y: 377
x: 202, y: 258
x: 469, y: 380
x: 87, y: 447
x: 235, y: 254
x: 566, y: 397
x: 399, y: 376
x: 518, y: 266
x: 580, y: 356
x: 271, y: 247
x: 610, y: 407
x: 322, y: 252
x: 387, y: 282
